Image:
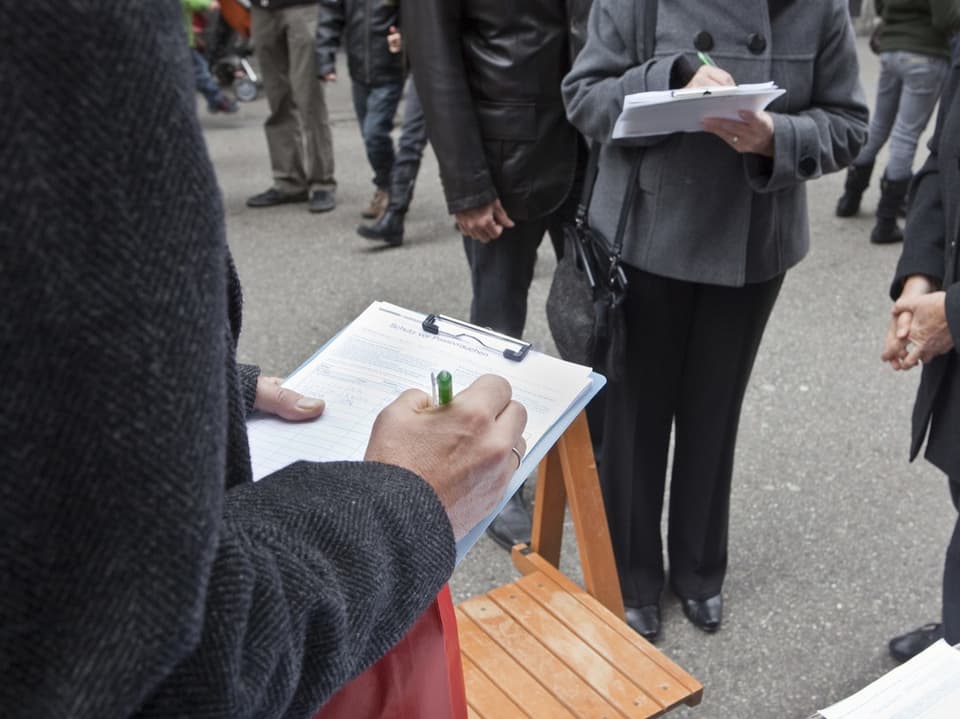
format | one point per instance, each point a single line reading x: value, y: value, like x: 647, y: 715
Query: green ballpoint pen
x: 442, y: 388
x: 706, y: 59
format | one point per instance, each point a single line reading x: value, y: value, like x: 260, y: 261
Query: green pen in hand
x: 706, y: 59
x: 442, y: 382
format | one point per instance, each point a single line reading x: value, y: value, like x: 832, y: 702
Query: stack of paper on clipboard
x: 664, y: 111
x: 389, y: 349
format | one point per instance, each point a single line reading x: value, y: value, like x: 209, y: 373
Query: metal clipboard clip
x: 511, y: 348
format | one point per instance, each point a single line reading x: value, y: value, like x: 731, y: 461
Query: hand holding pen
x: 709, y: 75
x: 752, y: 133
x: 466, y: 449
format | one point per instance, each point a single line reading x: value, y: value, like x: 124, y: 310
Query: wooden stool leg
x: 579, y: 470
x: 548, y: 509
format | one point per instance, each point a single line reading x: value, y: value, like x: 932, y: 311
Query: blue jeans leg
x: 413, y: 138
x: 922, y: 82
x: 204, y: 81
x: 413, y: 135
x: 907, y: 92
x: 376, y: 106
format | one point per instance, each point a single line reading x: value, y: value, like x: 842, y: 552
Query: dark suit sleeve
x: 432, y: 35
x: 925, y: 231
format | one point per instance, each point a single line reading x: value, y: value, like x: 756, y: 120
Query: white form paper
x: 663, y: 111
x: 386, y: 351
x: 926, y: 687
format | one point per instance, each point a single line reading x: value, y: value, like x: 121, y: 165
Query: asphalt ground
x: 836, y: 541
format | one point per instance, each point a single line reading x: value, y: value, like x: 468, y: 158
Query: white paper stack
x: 926, y: 687
x: 664, y: 111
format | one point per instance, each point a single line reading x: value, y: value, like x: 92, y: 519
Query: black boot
x: 389, y: 228
x: 858, y: 178
x: 905, y: 205
x: 892, y: 195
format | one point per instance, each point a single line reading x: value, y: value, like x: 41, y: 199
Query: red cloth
x: 420, y: 677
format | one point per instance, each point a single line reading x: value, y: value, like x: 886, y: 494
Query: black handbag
x: 585, y: 302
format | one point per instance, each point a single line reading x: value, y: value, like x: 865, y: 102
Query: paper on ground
x: 926, y: 687
x: 663, y: 111
x: 384, y: 352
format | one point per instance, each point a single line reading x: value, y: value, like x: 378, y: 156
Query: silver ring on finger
x: 518, y: 455
x: 735, y: 139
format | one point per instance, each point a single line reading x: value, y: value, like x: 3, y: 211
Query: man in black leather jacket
x: 376, y: 75
x: 489, y: 82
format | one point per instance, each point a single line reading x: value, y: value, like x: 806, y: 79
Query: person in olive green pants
x: 298, y: 130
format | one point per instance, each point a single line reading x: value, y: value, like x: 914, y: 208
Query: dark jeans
x: 413, y: 135
x: 376, y: 106
x: 501, y: 272
x: 204, y: 81
x: 413, y: 138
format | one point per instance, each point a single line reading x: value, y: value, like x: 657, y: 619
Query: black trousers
x: 690, y: 351
x: 951, y: 574
x: 943, y: 452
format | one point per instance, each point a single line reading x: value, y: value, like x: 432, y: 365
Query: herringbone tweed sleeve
x: 141, y: 572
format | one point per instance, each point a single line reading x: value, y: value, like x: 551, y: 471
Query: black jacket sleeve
x: 925, y: 229
x: 433, y: 32
x: 330, y: 22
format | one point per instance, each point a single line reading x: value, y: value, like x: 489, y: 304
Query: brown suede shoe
x: 377, y: 206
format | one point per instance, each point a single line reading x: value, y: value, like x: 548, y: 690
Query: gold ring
x: 519, y: 456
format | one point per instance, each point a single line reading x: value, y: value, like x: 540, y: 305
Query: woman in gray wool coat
x: 719, y: 218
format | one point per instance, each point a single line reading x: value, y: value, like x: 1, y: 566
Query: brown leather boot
x: 378, y: 203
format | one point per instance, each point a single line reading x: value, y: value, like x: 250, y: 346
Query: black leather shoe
x: 388, y: 228
x: 909, y: 645
x: 645, y: 621
x: 704, y: 613
x: 513, y: 524
x: 273, y: 197
x: 322, y: 201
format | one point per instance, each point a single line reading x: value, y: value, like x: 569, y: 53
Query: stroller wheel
x: 245, y: 89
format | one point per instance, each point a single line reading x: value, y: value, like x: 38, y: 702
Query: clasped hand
x: 918, y: 329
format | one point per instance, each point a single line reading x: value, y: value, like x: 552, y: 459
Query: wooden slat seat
x: 542, y: 646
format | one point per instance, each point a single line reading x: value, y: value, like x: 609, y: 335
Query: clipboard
x: 389, y: 349
x: 512, y: 348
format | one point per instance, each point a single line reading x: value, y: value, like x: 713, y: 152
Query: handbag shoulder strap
x: 590, y: 173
